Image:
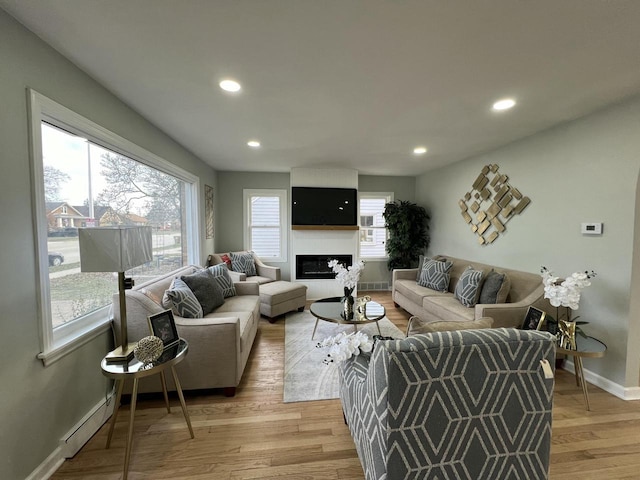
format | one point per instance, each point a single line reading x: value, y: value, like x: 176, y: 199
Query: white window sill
x: 67, y: 344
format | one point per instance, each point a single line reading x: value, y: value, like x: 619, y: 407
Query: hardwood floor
x: 255, y: 436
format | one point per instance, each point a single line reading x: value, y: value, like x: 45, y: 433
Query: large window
x: 85, y: 176
x: 373, y: 234
x: 265, y: 221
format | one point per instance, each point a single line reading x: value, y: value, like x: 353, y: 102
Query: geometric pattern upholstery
x: 243, y: 263
x: 468, y: 287
x: 472, y: 404
x: 182, y: 300
x: 435, y: 275
x: 220, y: 274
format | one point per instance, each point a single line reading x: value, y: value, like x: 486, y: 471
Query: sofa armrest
x: 511, y: 315
x: 404, y: 274
x: 247, y: 288
x: 268, y: 271
x: 237, y: 276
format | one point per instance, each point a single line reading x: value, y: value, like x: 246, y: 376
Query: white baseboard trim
x: 75, y: 438
x: 47, y: 468
x: 625, y: 393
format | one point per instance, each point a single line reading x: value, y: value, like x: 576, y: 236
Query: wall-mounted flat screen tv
x: 324, y: 206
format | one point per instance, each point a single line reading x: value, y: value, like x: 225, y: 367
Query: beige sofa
x: 219, y: 343
x: 432, y: 306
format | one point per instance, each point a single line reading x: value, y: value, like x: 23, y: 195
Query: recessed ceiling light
x: 253, y: 143
x: 230, y: 85
x: 504, y: 104
x: 420, y: 150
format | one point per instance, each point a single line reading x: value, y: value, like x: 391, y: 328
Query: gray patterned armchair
x: 471, y: 404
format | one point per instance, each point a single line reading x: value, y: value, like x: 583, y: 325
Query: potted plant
x: 408, y: 225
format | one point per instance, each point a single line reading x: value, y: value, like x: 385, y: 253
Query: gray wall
x: 584, y: 171
x: 229, y: 227
x: 229, y: 208
x: 39, y: 405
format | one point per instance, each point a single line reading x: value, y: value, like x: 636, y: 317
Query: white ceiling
x: 349, y: 83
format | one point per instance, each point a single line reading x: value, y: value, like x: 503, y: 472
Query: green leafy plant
x: 408, y: 226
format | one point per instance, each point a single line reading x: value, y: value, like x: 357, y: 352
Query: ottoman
x: 280, y: 297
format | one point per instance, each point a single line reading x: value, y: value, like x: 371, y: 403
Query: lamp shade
x: 114, y: 249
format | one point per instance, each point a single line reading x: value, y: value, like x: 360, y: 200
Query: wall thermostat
x: 591, y: 229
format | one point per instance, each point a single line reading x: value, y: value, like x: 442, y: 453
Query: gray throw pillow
x: 181, y: 300
x: 221, y: 275
x: 243, y: 263
x: 468, y: 286
x: 495, y: 288
x: 435, y: 275
x: 206, y: 290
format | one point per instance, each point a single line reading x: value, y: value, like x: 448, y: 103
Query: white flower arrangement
x: 566, y: 293
x: 348, y: 277
x: 344, y: 346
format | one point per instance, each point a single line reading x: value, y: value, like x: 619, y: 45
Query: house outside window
x: 85, y: 176
x: 373, y: 234
x: 265, y: 223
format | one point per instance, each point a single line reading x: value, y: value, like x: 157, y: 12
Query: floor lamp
x: 116, y: 249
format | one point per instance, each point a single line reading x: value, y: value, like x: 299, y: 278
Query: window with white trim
x: 373, y: 234
x: 265, y: 223
x: 86, y: 176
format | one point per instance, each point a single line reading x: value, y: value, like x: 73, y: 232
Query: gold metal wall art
x: 490, y: 204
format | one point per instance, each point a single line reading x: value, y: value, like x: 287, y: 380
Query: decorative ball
x: 148, y: 349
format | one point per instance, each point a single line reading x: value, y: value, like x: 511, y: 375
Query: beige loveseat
x: 433, y: 306
x: 219, y: 343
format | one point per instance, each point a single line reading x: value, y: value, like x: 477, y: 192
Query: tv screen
x: 324, y: 206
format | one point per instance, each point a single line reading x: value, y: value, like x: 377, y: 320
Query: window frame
x: 56, y: 343
x: 388, y: 198
x: 282, y: 195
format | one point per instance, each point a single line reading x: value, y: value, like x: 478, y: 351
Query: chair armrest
x: 237, y: 276
x: 268, y: 271
x: 247, y: 288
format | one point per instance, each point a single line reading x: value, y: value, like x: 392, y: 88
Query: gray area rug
x: 305, y: 376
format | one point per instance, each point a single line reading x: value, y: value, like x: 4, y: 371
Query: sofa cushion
x: 417, y: 326
x: 181, y: 300
x: 435, y: 274
x: 206, y: 289
x: 243, y: 262
x: 221, y: 275
x: 246, y: 319
x: 468, y: 286
x: 414, y: 292
x: 495, y: 288
x: 447, y: 307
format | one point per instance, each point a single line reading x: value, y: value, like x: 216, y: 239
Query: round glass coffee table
x: 330, y: 310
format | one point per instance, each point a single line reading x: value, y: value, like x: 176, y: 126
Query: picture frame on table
x: 163, y: 326
x: 534, y: 319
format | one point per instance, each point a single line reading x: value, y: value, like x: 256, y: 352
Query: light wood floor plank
x: 254, y: 435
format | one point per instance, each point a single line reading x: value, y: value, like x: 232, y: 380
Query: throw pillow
x: 221, y: 275
x: 206, y: 290
x: 468, y: 286
x: 495, y: 288
x: 225, y: 258
x: 435, y: 275
x: 243, y: 263
x: 181, y: 300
